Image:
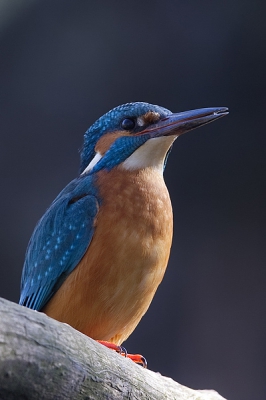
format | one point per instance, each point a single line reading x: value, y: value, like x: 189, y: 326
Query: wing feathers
x: 58, y: 243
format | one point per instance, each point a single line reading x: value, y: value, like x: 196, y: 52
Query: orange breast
x: 109, y: 291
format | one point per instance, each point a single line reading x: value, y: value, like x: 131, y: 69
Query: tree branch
x: 41, y: 358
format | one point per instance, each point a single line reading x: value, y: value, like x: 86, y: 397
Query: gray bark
x: 41, y: 358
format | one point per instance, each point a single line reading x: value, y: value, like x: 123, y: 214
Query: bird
x: 100, y: 251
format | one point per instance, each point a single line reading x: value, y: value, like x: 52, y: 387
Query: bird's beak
x: 179, y: 123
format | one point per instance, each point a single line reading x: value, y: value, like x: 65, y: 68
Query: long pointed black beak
x: 179, y: 123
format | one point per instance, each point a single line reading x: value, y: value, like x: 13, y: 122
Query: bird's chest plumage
x: 126, y: 260
x: 135, y: 219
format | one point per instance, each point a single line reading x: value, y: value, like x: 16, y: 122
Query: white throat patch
x: 151, y: 154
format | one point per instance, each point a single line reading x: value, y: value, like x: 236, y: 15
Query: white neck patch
x: 151, y: 154
x: 93, y: 162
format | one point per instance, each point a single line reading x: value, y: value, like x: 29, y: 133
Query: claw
x: 124, y: 351
x: 137, y: 358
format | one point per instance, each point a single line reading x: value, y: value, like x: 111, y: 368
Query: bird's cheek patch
x: 106, y: 141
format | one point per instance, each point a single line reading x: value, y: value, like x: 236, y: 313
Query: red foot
x: 118, y: 349
x: 137, y: 358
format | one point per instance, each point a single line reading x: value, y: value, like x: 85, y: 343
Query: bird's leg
x: 137, y: 358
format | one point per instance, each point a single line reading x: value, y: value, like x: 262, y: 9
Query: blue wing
x: 58, y: 243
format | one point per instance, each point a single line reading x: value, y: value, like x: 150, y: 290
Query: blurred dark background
x: 64, y: 64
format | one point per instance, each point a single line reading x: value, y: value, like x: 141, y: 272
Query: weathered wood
x: 41, y: 358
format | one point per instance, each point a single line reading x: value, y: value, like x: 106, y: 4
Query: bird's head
x: 138, y: 135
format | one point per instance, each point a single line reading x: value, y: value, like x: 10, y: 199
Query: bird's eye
x: 128, y: 124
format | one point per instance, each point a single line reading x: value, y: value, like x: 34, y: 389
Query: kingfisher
x: 98, y: 254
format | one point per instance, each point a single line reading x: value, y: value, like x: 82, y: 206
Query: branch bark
x: 41, y: 358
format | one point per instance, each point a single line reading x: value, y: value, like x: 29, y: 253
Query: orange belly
x: 109, y: 291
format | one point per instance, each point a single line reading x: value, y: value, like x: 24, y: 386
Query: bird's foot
x: 137, y: 358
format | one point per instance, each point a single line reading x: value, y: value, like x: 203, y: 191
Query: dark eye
x: 128, y: 124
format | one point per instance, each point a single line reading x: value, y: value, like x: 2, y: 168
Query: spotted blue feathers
x: 59, y: 241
